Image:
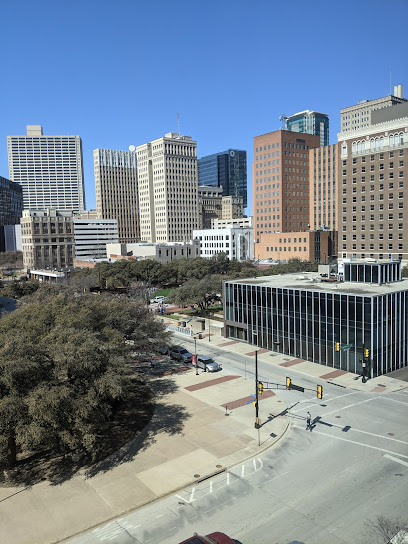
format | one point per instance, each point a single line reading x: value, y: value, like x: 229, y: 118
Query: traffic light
x: 260, y: 388
x: 320, y: 391
x: 366, y: 353
x: 337, y: 346
x: 288, y: 383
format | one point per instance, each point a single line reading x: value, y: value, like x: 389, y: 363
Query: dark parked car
x: 212, y: 538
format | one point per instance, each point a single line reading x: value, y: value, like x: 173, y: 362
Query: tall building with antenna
x: 227, y: 169
x: 168, y: 189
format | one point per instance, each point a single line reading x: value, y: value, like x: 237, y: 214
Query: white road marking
x: 211, y: 486
x: 328, y: 400
x: 354, y: 442
x: 160, y: 516
x: 243, y: 471
x: 260, y: 464
x: 349, y: 406
x: 396, y: 460
x: 271, y: 480
x: 191, y: 499
x: 393, y: 400
x: 366, y: 432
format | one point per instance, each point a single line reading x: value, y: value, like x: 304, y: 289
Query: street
x: 315, y: 487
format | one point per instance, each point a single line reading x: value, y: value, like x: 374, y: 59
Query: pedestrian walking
x: 152, y: 363
x: 308, y: 421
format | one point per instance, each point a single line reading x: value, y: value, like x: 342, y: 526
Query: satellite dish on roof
x: 132, y: 148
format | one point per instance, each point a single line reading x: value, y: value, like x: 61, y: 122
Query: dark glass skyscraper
x: 11, y: 206
x: 228, y: 170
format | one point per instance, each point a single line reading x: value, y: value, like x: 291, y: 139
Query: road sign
x: 347, y: 346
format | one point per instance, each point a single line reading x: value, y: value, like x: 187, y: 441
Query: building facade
x: 11, y: 207
x: 227, y: 169
x: 242, y: 222
x: 306, y: 318
x: 116, y: 189
x: 324, y: 163
x: 47, y: 238
x: 360, y: 116
x: 92, y: 235
x: 161, y: 252
x: 209, y: 205
x: 49, y: 169
x: 236, y: 243
x: 281, y: 193
x: 168, y: 200
x: 373, y: 219
x: 310, y: 122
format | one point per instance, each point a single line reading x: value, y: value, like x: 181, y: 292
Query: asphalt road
x: 324, y: 486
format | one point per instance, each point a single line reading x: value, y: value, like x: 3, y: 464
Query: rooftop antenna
x: 390, y: 80
x: 178, y: 124
x: 283, y: 118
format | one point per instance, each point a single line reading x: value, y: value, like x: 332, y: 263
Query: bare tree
x: 386, y: 530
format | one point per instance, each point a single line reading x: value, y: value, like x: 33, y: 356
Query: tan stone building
x: 373, y: 194
x: 168, y: 182
x: 281, y: 195
x: 232, y: 207
x: 116, y: 188
x: 47, y: 238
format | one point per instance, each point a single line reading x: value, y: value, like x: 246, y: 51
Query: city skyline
x: 220, y: 104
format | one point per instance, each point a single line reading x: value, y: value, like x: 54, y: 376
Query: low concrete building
x: 164, y: 253
x: 236, y: 243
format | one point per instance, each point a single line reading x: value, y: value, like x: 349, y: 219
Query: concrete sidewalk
x: 381, y: 384
x: 217, y: 432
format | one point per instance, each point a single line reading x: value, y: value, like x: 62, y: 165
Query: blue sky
x: 117, y: 72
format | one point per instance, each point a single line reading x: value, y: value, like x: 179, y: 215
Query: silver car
x: 208, y: 364
x: 180, y: 354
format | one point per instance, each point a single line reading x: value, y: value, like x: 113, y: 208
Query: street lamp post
x: 195, y: 352
x: 209, y: 333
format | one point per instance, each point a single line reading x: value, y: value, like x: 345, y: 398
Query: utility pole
x: 257, y: 425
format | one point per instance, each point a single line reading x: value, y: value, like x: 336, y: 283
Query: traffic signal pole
x: 257, y: 398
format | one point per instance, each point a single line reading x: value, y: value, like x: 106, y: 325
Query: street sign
x: 347, y: 346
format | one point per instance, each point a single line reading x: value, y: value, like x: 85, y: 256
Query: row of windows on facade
x: 372, y: 247
x: 266, y: 156
x: 372, y: 167
x: 269, y: 146
x: 375, y: 144
x: 289, y: 248
x: 371, y: 256
x: 264, y: 180
x: 380, y: 236
x: 380, y: 226
x: 379, y: 187
x: 373, y: 157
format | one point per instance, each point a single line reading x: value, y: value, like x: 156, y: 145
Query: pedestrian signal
x: 337, y: 346
x: 288, y: 383
x: 367, y: 353
x: 260, y: 387
x: 320, y: 391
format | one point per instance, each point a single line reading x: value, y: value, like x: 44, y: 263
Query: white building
x: 92, y: 235
x: 236, y: 243
x: 49, y: 169
x: 164, y: 253
x: 168, y: 182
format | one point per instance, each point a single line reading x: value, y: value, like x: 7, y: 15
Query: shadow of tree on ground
x: 134, y: 427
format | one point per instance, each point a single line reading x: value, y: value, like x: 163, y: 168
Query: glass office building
x: 305, y: 317
x: 11, y: 206
x: 228, y: 170
x: 310, y: 122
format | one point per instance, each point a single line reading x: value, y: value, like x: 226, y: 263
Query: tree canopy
x: 62, y: 369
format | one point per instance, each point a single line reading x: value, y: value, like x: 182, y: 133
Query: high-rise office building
x: 310, y: 122
x: 117, y: 191
x: 227, y: 169
x: 11, y: 206
x: 323, y: 177
x: 49, y: 169
x: 373, y: 215
x: 360, y: 116
x: 168, y: 184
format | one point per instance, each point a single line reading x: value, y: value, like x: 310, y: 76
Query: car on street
x: 212, y: 538
x: 180, y: 354
x: 158, y: 300
x: 208, y: 364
